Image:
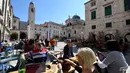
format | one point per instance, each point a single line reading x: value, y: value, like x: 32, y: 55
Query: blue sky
x: 49, y: 10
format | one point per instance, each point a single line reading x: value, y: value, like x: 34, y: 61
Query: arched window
x: 32, y: 10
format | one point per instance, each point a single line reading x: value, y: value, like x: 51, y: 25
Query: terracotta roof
x: 50, y: 22
x: 40, y: 25
x: 37, y: 25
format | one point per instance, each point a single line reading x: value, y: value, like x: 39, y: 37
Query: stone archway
x: 127, y: 36
x: 23, y: 35
x: 109, y: 37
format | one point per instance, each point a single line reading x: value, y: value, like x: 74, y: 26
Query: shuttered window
x: 93, y: 3
x: 128, y: 22
x: 108, y: 25
x: 93, y: 26
x: 108, y: 10
x: 127, y: 5
x: 75, y: 32
x: 93, y: 15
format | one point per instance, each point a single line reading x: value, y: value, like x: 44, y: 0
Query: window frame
x: 128, y: 22
x: 32, y: 10
x: 107, y: 25
x: 106, y: 9
x: 126, y: 5
x: 92, y: 14
x: 93, y: 3
x: 93, y: 26
x: 74, y: 31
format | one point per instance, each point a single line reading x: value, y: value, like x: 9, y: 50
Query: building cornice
x: 87, y: 2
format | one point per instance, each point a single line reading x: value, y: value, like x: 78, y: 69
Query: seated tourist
x: 68, y: 51
x: 29, y: 45
x: 86, y: 58
x: 39, y: 57
x: 115, y: 61
x: 38, y: 54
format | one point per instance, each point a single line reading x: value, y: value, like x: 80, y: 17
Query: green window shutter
x: 93, y: 15
x: 108, y: 10
x: 128, y: 22
x: 127, y: 5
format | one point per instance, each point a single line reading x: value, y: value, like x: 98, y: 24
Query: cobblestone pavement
x: 60, y: 46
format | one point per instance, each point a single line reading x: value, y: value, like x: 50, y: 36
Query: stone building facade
x: 41, y: 31
x: 16, y: 23
x: 15, y: 26
x: 53, y: 29
x: 6, y: 19
x: 19, y: 27
x: 108, y: 16
x: 74, y: 28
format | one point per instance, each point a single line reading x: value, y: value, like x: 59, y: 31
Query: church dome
x: 75, y: 17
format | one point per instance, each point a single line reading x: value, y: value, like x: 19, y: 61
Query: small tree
x: 91, y: 37
x: 13, y: 36
x: 56, y: 37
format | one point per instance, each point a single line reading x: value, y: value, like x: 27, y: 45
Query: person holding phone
x: 114, y: 61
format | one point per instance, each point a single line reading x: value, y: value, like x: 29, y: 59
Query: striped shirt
x: 39, y: 56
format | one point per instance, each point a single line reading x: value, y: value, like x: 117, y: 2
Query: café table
x: 74, y: 58
x: 6, y: 60
x: 54, y: 69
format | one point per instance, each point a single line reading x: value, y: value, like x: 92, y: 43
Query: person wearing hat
x: 68, y: 51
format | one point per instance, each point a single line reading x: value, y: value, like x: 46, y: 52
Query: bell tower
x: 31, y: 14
x: 31, y: 21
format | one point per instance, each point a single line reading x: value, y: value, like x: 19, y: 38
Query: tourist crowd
x: 36, y: 53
